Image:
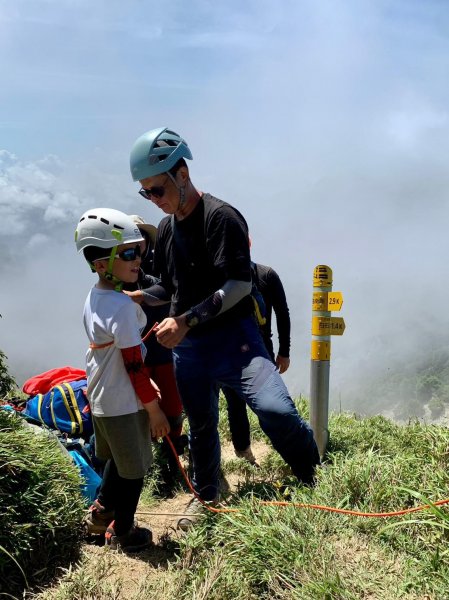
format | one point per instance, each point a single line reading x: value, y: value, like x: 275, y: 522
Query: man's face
x: 169, y: 200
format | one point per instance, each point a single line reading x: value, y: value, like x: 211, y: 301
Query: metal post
x: 320, y: 359
x: 323, y: 327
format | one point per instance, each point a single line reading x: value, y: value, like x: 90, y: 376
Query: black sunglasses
x: 156, y: 191
x: 127, y: 255
x: 130, y: 253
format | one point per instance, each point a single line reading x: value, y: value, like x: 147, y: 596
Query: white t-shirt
x: 111, y: 316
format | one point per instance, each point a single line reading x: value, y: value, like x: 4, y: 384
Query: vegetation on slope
x: 264, y: 552
x: 407, y: 385
x: 40, y: 505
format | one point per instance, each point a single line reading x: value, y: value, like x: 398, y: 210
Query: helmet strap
x: 109, y: 276
x: 113, y: 279
x: 182, y: 197
x: 111, y: 262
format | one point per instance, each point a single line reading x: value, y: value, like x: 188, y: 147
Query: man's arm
x: 228, y: 249
x: 172, y: 330
x: 281, y: 310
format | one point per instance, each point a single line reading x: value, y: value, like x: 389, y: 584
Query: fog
x: 326, y: 125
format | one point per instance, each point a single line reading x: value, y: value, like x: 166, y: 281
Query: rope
x: 148, y: 333
x: 94, y: 346
x: 333, y: 509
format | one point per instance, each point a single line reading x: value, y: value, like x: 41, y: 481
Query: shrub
x: 7, y: 382
x: 40, y: 504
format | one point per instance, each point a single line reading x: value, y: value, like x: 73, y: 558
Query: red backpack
x: 42, y: 383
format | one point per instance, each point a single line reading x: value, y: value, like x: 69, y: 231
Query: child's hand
x: 158, y: 421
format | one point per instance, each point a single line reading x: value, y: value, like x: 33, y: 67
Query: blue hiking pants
x: 235, y: 356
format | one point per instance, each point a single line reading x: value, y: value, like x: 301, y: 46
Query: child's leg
x: 127, y: 498
x: 120, y: 495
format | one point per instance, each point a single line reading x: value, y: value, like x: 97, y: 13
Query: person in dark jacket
x: 202, y: 254
x: 270, y: 286
x: 159, y: 360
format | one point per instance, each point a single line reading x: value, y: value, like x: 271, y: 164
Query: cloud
x: 325, y: 123
x: 32, y: 197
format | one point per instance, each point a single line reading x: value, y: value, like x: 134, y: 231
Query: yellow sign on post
x: 322, y: 276
x: 327, y: 301
x: 320, y: 350
x: 323, y: 327
x: 328, y: 326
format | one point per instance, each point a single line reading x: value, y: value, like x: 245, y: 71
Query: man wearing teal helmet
x: 202, y: 255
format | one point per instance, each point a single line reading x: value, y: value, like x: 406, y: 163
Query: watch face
x: 191, y: 319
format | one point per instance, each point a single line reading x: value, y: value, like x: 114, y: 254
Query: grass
x: 264, y: 552
x: 40, y: 505
x: 267, y: 552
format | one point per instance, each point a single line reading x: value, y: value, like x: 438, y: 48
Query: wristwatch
x: 191, y: 319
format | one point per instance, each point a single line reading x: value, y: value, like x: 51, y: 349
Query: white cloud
x: 407, y: 126
x: 36, y: 240
x: 325, y: 123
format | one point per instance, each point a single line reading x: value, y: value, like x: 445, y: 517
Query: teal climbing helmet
x: 156, y: 152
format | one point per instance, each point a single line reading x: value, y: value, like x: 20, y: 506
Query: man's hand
x: 282, y: 363
x: 137, y: 296
x: 171, y: 331
x: 158, y: 421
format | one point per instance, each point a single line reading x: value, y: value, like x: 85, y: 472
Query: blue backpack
x: 91, y: 480
x: 64, y: 407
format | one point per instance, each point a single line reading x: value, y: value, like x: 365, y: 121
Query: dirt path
x: 161, y: 518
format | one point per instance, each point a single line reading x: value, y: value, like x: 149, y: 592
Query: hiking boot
x: 137, y: 538
x: 194, y: 511
x: 247, y: 455
x: 98, y: 518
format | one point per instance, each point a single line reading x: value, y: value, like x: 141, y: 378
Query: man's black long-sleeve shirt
x: 272, y: 290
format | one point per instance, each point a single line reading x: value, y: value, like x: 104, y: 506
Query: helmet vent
x: 118, y: 226
x: 168, y: 143
x: 105, y: 221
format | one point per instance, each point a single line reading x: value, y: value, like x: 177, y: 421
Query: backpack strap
x: 52, y: 411
x: 68, y: 408
x: 75, y: 407
x: 260, y: 310
x: 39, y: 407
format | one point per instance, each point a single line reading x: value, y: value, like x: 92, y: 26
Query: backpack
x: 42, y: 383
x: 91, y: 480
x: 64, y: 407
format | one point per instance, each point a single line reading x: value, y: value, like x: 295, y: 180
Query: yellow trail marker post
x: 323, y: 327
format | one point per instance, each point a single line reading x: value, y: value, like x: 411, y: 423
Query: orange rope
x: 148, y: 333
x: 333, y: 509
x: 94, y: 346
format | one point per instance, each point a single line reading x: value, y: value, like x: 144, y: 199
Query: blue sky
x: 325, y: 123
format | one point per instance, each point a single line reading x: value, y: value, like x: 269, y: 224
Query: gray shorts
x: 126, y: 439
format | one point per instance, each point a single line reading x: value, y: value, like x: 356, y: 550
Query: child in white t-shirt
x: 123, y: 399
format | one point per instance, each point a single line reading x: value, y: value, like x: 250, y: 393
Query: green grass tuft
x: 40, y: 505
x: 264, y: 552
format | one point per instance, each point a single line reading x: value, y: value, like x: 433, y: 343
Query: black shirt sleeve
x: 276, y: 292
